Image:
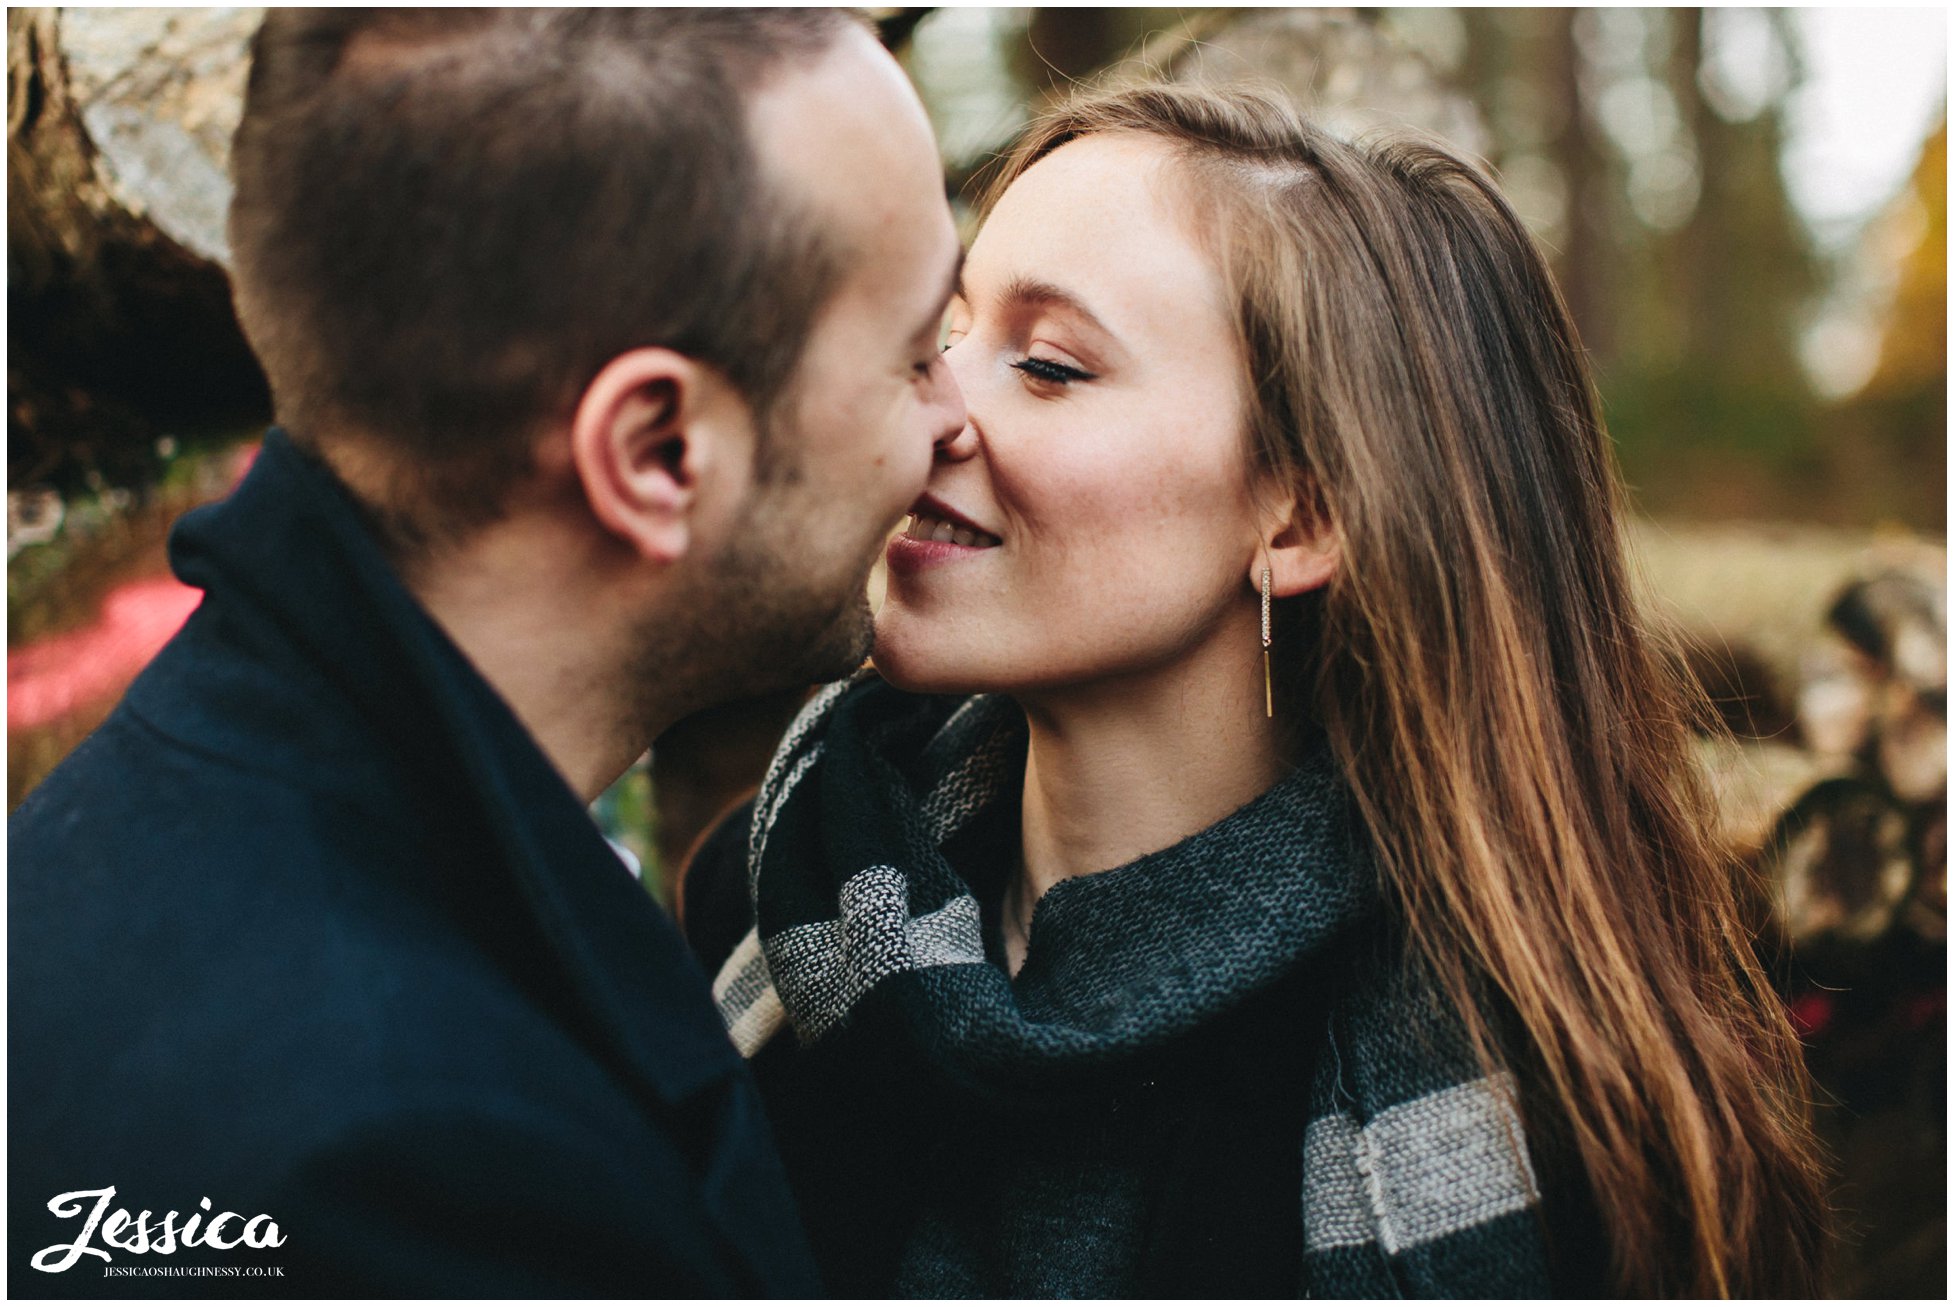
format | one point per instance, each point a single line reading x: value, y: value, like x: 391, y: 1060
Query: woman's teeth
x: 937, y: 529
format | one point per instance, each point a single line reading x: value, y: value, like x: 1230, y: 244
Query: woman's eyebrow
x: 1030, y: 292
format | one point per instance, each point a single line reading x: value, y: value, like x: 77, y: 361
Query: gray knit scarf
x: 1416, y: 1178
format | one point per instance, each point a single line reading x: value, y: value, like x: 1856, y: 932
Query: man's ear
x: 653, y: 432
x: 1303, y: 549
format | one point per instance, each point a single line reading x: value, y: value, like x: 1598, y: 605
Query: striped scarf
x: 1416, y: 1177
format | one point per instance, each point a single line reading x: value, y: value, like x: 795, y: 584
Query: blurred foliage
x: 628, y: 815
x: 98, y: 542
x: 1902, y: 412
x: 113, y: 535
x: 1644, y: 148
x: 1914, y: 354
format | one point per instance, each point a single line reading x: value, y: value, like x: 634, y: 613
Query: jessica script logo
x: 135, y: 1234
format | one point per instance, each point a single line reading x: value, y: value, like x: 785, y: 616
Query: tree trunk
x: 118, y: 133
x: 1583, y: 169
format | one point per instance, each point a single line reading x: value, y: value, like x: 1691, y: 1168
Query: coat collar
x: 287, y: 563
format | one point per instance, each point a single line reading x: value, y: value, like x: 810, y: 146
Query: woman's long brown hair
x: 1515, y: 736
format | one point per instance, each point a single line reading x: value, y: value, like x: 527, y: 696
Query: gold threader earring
x: 1268, y: 686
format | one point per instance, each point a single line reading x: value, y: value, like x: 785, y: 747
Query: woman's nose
x: 948, y: 417
x: 957, y: 445
x: 954, y: 442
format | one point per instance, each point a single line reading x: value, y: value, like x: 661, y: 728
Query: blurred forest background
x: 1767, y: 323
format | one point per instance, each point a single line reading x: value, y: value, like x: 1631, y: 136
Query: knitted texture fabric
x: 1416, y: 1178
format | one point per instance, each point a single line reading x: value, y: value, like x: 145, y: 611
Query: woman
x: 1312, y: 892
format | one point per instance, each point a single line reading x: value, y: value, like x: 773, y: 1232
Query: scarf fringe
x: 747, y: 999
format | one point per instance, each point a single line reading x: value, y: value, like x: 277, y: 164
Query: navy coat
x: 311, y: 928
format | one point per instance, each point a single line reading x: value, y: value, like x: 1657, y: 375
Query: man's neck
x: 524, y: 599
x: 508, y: 603
x: 1119, y: 770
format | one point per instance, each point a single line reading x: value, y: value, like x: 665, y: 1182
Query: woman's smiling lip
x: 908, y: 555
x: 930, y: 506
x: 937, y: 533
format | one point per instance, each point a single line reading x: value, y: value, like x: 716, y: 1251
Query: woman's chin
x: 906, y: 675
x: 904, y: 664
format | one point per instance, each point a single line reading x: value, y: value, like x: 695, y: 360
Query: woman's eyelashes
x: 1050, y: 371
x: 1043, y: 370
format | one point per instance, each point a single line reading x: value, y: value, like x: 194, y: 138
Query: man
x: 604, y: 348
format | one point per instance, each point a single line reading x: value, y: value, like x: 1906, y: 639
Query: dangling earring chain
x: 1268, y: 685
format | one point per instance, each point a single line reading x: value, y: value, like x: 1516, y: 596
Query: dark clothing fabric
x: 1214, y: 1074
x: 311, y: 928
x: 1175, y: 1176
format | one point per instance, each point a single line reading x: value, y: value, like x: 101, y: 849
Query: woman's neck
x: 1122, y: 769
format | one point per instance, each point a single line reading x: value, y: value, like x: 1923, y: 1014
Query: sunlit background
x: 1746, y: 207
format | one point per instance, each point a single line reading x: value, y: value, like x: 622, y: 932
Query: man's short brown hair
x: 447, y: 221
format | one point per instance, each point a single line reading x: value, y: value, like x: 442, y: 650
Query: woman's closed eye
x: 1051, y: 371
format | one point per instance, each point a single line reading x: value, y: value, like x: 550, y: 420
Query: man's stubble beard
x: 781, y: 628
x: 750, y: 622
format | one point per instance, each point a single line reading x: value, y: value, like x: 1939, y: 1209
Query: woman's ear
x: 1303, y: 549
x: 652, y: 430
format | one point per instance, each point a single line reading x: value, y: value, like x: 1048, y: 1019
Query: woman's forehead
x: 1102, y: 217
